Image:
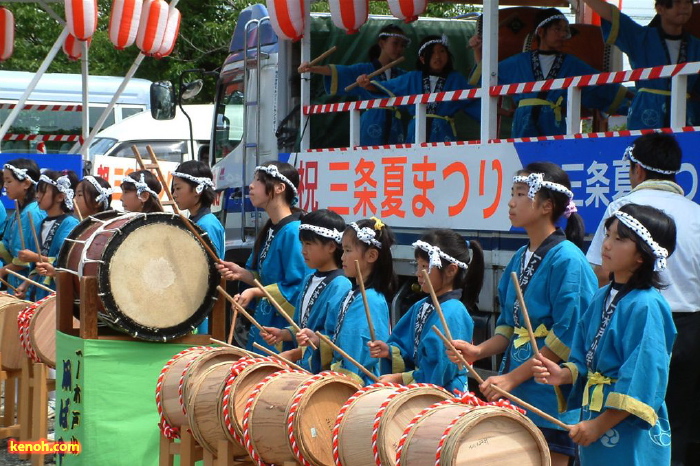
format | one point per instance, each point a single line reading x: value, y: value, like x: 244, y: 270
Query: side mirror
x: 163, y: 100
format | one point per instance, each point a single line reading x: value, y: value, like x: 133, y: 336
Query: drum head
x: 156, y: 280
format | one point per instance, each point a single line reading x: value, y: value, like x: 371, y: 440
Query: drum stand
x: 9, y: 421
x: 35, y: 387
x: 190, y: 452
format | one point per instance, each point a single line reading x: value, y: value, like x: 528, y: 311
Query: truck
x: 463, y: 185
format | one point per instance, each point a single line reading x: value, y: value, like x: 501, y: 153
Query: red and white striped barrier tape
x: 43, y: 137
x: 45, y: 107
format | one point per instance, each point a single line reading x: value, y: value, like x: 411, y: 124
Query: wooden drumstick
x: 323, y: 56
x: 241, y: 309
x: 378, y: 72
x: 502, y: 392
x: 278, y: 356
x: 19, y: 224
x: 526, y: 316
x: 36, y: 239
x: 436, y: 303
x: 7, y: 284
x: 190, y: 226
x: 347, y: 356
x: 77, y: 210
x: 30, y: 281
x: 223, y: 343
x: 233, y: 325
x: 279, y: 309
x: 361, y: 282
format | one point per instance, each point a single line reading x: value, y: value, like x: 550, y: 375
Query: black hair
x: 199, y: 169
x: 32, y: 172
x: 269, y: 181
x: 575, y: 229
x: 152, y: 204
x: 469, y: 281
x: 54, y: 176
x: 546, y: 13
x: 90, y: 194
x: 662, y: 229
x: 658, y: 150
x: 375, y: 51
x: 327, y: 219
x: 383, y: 278
x: 427, y: 53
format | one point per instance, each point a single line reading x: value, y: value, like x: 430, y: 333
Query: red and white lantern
x: 7, y: 33
x: 287, y: 18
x: 407, y: 10
x: 154, y: 20
x: 74, y: 47
x: 172, y: 30
x: 81, y: 18
x: 349, y: 15
x: 124, y: 22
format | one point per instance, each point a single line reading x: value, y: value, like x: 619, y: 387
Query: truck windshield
x: 229, y: 120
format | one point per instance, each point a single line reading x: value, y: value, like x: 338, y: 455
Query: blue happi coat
x: 315, y: 317
x: 439, y: 115
x: 12, y: 240
x: 352, y: 332
x: 428, y: 363
x: 631, y: 365
x: 646, y: 47
x: 559, y: 291
x: 62, y: 231
x: 214, y: 230
x: 377, y: 126
x: 280, y: 267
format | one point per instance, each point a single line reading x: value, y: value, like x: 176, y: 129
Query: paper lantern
x: 124, y: 22
x: 7, y: 33
x: 349, y: 15
x: 172, y: 30
x: 74, y: 47
x: 407, y: 10
x: 154, y: 20
x: 287, y: 18
x: 81, y: 18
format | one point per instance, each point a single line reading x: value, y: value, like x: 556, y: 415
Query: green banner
x: 105, y: 399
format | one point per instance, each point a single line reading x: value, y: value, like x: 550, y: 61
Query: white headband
x: 104, y: 193
x: 140, y: 185
x: 550, y: 19
x: 536, y: 182
x: 635, y: 225
x: 629, y: 155
x: 333, y: 234
x: 202, y: 181
x: 274, y: 172
x: 393, y: 34
x: 63, y: 186
x: 435, y: 253
x: 442, y: 40
x: 366, y: 235
x: 20, y: 173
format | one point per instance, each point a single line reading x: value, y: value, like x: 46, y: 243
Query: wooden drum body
x: 10, y: 345
x: 372, y: 422
x: 155, y: 279
x: 454, y: 434
x: 37, y: 330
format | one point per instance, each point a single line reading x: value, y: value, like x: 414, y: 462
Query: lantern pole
x: 305, y: 83
x: 35, y: 80
x: 85, y: 70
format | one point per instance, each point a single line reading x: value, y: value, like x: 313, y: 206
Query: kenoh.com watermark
x: 44, y: 447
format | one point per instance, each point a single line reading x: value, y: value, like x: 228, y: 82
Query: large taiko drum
x: 10, y: 345
x: 245, y: 375
x: 177, y: 378
x: 370, y: 424
x: 156, y: 281
x: 455, y: 434
x: 37, y: 330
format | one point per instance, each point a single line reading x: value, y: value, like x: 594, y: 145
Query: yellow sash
x: 595, y: 380
x: 524, y: 337
x: 446, y: 118
x: 659, y: 92
x: 555, y: 106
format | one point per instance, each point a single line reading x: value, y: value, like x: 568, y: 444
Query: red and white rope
x: 168, y: 430
x: 24, y: 319
x: 378, y: 419
x: 45, y: 107
x: 409, y: 426
x: 445, y: 434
